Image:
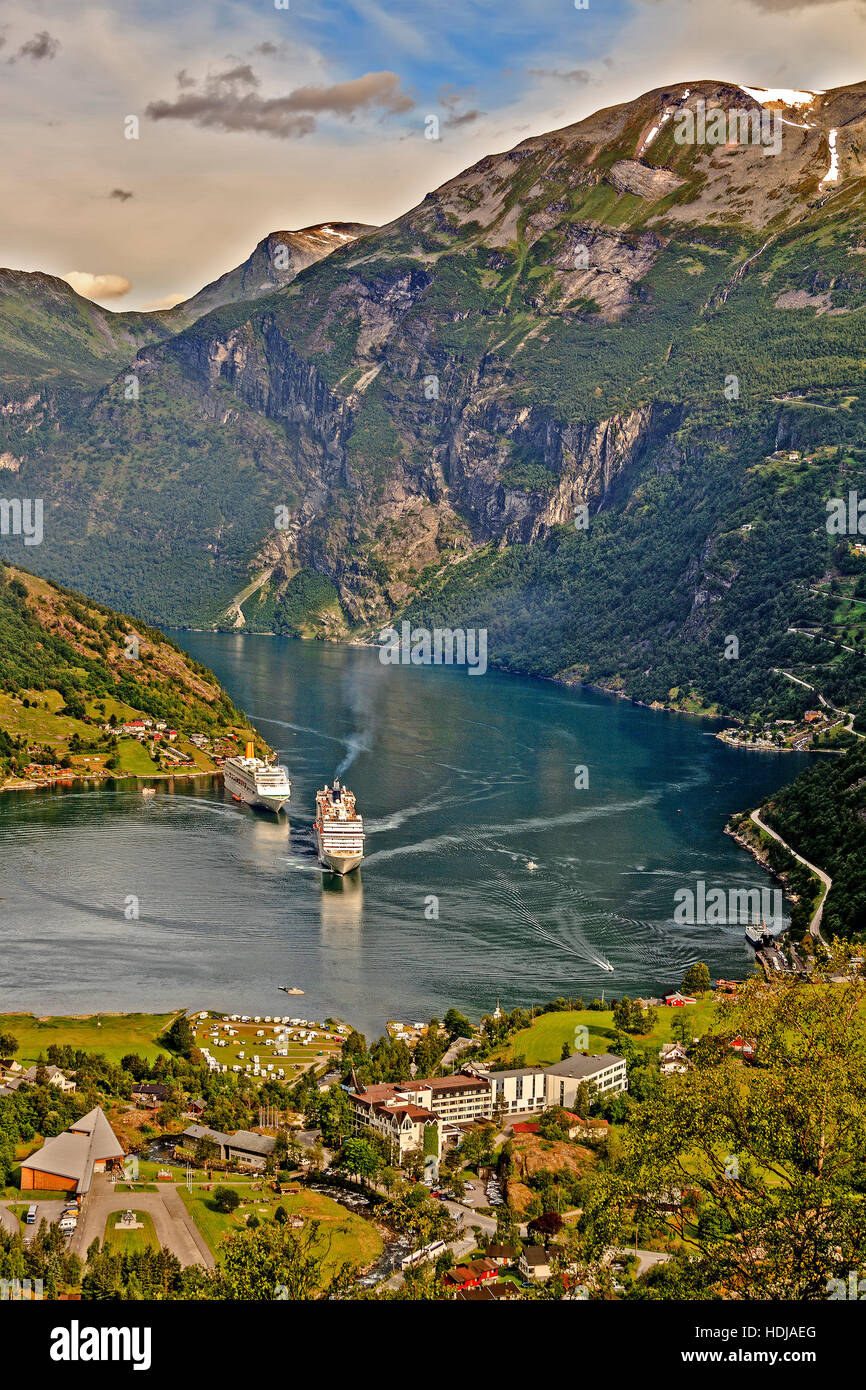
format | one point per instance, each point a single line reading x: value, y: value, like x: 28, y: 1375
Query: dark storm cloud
x: 221, y: 104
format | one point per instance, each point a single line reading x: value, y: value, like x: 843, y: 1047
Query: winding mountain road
x: 815, y: 924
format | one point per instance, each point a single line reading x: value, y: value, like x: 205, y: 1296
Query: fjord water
x: 464, y: 782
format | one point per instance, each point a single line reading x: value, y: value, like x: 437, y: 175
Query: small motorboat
x: 148, y: 791
x: 290, y: 989
x: 531, y: 865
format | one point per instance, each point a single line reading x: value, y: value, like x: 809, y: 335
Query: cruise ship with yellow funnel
x: 256, y: 782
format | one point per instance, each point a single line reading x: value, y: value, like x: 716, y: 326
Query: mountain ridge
x: 417, y: 416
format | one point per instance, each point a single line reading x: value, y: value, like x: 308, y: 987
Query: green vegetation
x: 822, y: 816
x: 542, y: 1042
x: 341, y: 1236
x: 751, y: 1175
x: 112, y: 1035
x: 71, y: 671
x: 123, y: 1242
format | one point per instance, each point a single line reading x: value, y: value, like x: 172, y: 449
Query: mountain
x: 51, y: 336
x: 667, y: 334
x: 73, y: 671
x: 275, y: 262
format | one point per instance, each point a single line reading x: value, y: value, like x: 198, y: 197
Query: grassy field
x: 134, y: 758
x: 112, y: 1034
x: 541, y: 1044
x: 343, y: 1235
x: 40, y: 725
x: 130, y: 1242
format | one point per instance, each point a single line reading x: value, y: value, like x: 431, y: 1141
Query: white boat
x: 339, y: 829
x: 256, y: 782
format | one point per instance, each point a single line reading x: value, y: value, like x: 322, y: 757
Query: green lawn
x: 112, y: 1034
x: 541, y: 1044
x: 344, y: 1235
x: 40, y: 725
x: 133, y: 757
x: 130, y: 1242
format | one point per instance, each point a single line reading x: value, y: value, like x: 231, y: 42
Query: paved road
x: 815, y: 924
x: 466, y: 1218
x: 174, y: 1227
x: 9, y: 1221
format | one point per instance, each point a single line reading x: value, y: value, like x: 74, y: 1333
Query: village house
x: 30, y: 1077
x: 401, y: 1122
x: 534, y: 1262
x: 470, y: 1275
x: 519, y: 1091
x: 673, y: 1059
x: 501, y: 1254
x: 150, y: 1094
x: 491, y: 1292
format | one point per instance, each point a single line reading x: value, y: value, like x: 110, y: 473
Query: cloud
x: 463, y: 118
x: 221, y: 104
x: 42, y: 45
x: 242, y: 73
x: 122, y: 195
x: 167, y: 301
x: 97, y: 286
x: 452, y: 99
x: 581, y: 75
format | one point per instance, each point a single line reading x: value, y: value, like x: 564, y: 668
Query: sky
x: 252, y: 116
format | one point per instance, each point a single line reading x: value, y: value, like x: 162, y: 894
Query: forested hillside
x: 73, y: 672
x: 822, y: 815
x: 661, y: 340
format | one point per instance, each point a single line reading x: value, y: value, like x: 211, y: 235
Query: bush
x: 225, y: 1199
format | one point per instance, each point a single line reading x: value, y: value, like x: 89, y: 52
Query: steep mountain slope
x: 275, y: 262
x: 68, y: 667
x: 51, y: 336
x: 602, y: 318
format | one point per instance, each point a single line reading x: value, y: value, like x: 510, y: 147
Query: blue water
x: 463, y: 782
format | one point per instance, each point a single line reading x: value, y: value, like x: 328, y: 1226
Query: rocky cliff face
x: 552, y: 329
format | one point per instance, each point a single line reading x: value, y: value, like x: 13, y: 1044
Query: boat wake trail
x: 571, y: 940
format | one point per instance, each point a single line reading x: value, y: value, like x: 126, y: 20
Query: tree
x: 8, y: 1045
x: 272, y: 1262
x: 771, y: 1156
x: 335, y: 1117
x: 457, y: 1025
x: 226, y: 1199
x: 206, y: 1151
x: 359, y: 1157
x: 696, y: 979
x: 565, y: 1053
x: 550, y: 1223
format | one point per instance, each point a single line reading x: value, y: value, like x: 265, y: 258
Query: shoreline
x: 92, y: 781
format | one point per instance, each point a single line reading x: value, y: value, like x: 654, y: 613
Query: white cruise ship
x: 339, y: 829
x: 256, y: 782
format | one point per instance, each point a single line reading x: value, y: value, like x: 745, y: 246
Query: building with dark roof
x: 248, y: 1149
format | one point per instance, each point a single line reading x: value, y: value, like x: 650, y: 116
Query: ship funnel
x: 251, y: 748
